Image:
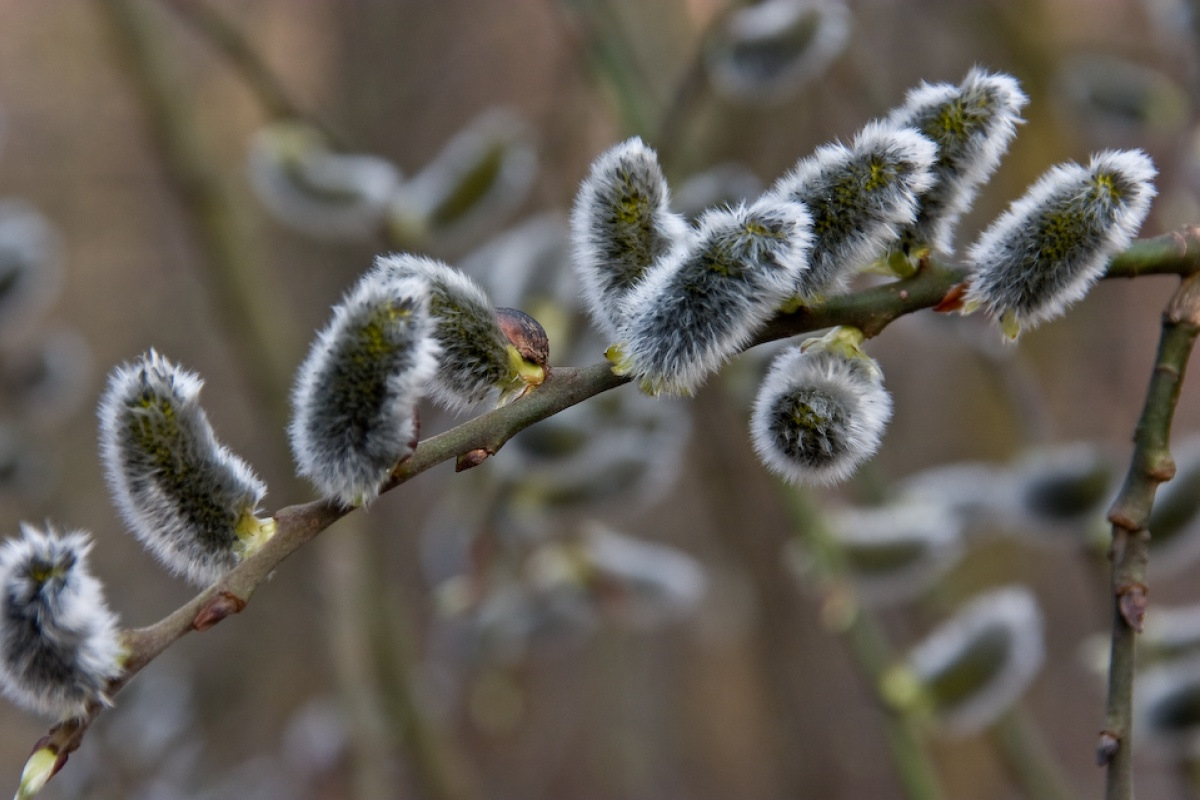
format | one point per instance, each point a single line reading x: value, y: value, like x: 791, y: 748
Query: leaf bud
x: 895, y: 551
x: 621, y: 225
x: 976, y: 665
x: 478, y: 178
x: 859, y: 197
x: 972, y: 125
x: 476, y: 356
x: 30, y: 263
x: 764, y: 53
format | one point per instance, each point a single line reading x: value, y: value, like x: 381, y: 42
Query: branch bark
x: 1150, y: 465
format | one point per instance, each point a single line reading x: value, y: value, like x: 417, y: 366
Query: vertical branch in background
x: 440, y: 770
x: 242, y: 56
x: 1150, y: 465
x: 843, y: 613
x: 372, y: 776
x: 259, y: 333
x: 612, y: 58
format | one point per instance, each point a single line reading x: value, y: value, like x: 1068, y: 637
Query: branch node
x: 1120, y: 519
x: 1161, y: 470
x: 1107, y: 748
x: 472, y: 458
x: 218, y: 608
x: 1132, y: 599
x: 1184, y: 307
x: 953, y: 299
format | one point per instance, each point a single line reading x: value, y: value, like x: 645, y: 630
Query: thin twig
x: 1029, y: 757
x: 1150, y: 465
x: 865, y: 639
x: 269, y: 90
x: 263, y: 339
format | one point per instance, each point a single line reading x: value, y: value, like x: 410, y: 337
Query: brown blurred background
x: 747, y: 696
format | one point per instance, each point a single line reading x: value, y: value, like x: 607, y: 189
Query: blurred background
x: 621, y: 603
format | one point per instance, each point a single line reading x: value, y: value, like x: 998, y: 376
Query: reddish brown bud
x: 953, y: 301
x: 217, y: 609
x: 471, y: 458
x: 1133, y: 599
x: 1107, y: 748
x: 526, y: 334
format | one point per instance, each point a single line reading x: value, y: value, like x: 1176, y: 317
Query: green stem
x: 1029, y: 757
x: 613, y: 60
x: 869, y: 646
x: 1150, y: 465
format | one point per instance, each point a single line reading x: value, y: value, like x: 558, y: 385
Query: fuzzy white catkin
x: 621, y: 225
x: 765, y: 52
x: 819, y: 415
x: 972, y: 125
x: 478, y: 178
x: 355, y: 398
x: 316, y: 191
x: 1048, y: 249
x: 181, y: 492
x: 701, y: 304
x: 997, y: 641
x: 898, y: 550
x: 859, y: 198
x: 473, y: 357
x: 59, y: 643
x: 1166, y: 699
x: 31, y: 253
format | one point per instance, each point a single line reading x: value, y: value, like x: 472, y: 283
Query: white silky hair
x: 156, y: 501
x: 1014, y: 611
x: 703, y: 302
x: 1012, y: 272
x: 473, y: 350
x: 611, y: 254
x: 343, y: 442
x: 856, y: 217
x: 859, y: 411
x: 992, y: 102
x: 59, y: 642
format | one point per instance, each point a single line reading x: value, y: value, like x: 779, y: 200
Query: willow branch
x: 872, y: 310
x: 1150, y: 465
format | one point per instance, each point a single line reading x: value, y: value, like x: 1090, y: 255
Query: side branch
x: 246, y: 60
x: 1150, y: 465
x: 871, y: 310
